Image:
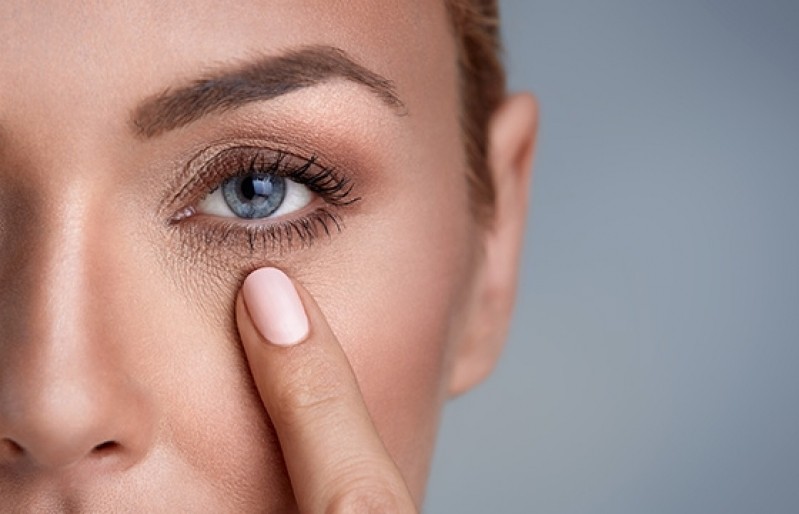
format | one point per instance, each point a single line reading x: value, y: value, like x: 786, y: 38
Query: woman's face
x: 122, y: 381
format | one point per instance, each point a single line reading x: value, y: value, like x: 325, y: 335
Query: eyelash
x: 333, y: 188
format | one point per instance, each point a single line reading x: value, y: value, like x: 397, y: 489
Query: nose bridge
x: 63, y: 281
x: 58, y: 279
x: 66, y: 391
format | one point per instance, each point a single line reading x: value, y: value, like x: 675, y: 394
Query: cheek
x: 388, y: 285
x: 212, y: 427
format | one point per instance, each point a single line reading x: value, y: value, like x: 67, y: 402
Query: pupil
x: 247, y: 188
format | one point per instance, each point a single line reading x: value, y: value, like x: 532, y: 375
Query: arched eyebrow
x: 263, y: 79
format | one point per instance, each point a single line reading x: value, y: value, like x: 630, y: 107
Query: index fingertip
x: 275, y: 307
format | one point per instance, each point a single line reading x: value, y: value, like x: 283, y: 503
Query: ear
x: 510, y: 151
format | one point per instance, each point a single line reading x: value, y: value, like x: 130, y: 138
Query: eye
x: 256, y: 196
x: 253, y: 183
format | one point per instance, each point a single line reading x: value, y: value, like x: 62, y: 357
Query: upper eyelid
x: 354, y: 149
x: 195, y: 172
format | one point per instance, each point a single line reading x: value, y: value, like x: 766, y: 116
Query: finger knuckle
x: 304, y: 397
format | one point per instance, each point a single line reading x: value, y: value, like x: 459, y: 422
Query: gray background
x: 653, y: 361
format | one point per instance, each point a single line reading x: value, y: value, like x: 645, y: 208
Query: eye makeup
x: 332, y: 191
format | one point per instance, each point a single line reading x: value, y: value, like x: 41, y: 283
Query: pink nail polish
x: 275, y: 307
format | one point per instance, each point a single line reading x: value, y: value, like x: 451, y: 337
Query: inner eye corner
x: 181, y: 215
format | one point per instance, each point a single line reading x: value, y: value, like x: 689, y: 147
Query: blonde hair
x: 482, y: 88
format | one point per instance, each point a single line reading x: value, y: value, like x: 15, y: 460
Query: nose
x: 67, y: 420
x: 69, y: 394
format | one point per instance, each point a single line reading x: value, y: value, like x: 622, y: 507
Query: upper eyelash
x: 334, y: 188
x: 325, y: 182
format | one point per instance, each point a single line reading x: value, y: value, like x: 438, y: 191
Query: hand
x: 335, y: 458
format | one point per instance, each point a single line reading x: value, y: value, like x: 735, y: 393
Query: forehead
x: 97, y: 57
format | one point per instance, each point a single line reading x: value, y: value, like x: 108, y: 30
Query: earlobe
x: 511, y: 146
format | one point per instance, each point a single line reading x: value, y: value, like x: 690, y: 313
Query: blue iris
x: 254, y: 196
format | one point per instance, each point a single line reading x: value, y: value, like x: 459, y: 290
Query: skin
x: 128, y: 382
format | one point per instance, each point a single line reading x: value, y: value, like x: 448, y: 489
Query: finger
x: 334, y: 455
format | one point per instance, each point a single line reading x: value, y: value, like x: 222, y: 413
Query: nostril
x: 10, y: 449
x: 106, y: 447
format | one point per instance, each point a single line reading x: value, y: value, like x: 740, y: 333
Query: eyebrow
x: 263, y: 79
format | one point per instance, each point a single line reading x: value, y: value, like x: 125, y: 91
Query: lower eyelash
x: 284, y: 235
x: 276, y: 238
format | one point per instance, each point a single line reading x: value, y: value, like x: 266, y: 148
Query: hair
x: 482, y: 88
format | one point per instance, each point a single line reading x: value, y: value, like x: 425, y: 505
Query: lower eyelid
x: 275, y: 236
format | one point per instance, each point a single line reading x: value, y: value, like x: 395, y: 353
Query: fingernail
x: 275, y: 307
